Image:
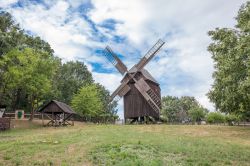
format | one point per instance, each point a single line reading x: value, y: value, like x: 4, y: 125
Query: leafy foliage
x: 70, y: 77
x: 231, y: 119
x: 92, y: 102
x: 215, y: 117
x: 88, y: 102
x: 197, y: 114
x: 176, y: 109
x: 231, y: 54
x: 109, y: 108
x: 27, y: 71
x: 12, y: 36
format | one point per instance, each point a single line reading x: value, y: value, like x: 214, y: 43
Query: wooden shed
x: 58, y: 113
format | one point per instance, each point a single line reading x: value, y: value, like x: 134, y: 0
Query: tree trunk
x: 14, y: 99
x: 31, y: 108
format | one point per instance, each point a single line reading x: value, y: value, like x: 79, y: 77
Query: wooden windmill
x: 141, y: 92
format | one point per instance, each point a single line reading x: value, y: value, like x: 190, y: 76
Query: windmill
x: 141, y: 92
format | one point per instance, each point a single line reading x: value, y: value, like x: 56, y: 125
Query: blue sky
x: 80, y: 29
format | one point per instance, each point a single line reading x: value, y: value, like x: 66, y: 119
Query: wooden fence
x: 11, y: 115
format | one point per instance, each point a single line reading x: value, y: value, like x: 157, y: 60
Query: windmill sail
x: 112, y: 57
x: 153, y: 100
x: 150, y: 54
x: 121, y: 90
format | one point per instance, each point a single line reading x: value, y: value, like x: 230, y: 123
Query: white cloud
x: 110, y: 81
x: 6, y: 3
x: 67, y: 32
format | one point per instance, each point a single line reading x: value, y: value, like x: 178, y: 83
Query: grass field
x: 86, y: 144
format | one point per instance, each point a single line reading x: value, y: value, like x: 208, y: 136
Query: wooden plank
x: 124, y: 91
x: 113, y: 58
x: 150, y: 54
x: 135, y: 105
x: 119, y: 89
x: 143, y: 85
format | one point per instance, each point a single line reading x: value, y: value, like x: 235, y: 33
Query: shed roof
x: 64, y: 107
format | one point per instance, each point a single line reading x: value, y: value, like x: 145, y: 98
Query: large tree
x: 230, y: 51
x: 70, y: 78
x: 93, y: 103
x: 109, y: 107
x: 176, y: 109
x: 87, y: 102
x: 12, y: 36
x: 27, y: 71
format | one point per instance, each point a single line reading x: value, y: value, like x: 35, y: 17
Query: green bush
x: 215, y: 117
x: 231, y: 119
x: 196, y: 114
x: 87, y: 101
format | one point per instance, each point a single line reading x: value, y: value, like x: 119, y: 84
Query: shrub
x: 215, y: 117
x: 231, y: 119
x: 196, y: 114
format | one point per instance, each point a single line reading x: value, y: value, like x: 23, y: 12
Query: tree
x: 28, y: 71
x: 197, y: 114
x: 231, y: 119
x: 230, y: 51
x: 176, y: 109
x: 110, y: 111
x: 170, y: 108
x: 215, y: 117
x: 87, y: 102
x: 12, y: 36
x: 70, y: 78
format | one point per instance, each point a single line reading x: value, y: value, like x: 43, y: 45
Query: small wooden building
x: 58, y: 113
x: 135, y: 105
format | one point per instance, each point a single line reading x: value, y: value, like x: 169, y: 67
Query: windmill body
x: 141, y: 92
x: 135, y: 105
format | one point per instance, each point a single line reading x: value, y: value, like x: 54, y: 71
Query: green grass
x: 85, y: 144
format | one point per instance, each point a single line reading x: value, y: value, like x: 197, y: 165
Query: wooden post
x: 55, y: 120
x: 63, y: 118
x: 42, y: 119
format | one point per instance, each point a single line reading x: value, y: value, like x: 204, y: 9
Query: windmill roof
x: 64, y: 107
x: 145, y: 73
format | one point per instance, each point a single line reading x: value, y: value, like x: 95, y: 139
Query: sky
x: 80, y: 30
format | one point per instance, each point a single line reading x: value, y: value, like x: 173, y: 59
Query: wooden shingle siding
x: 135, y: 105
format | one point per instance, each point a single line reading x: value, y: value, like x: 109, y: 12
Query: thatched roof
x: 55, y: 106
